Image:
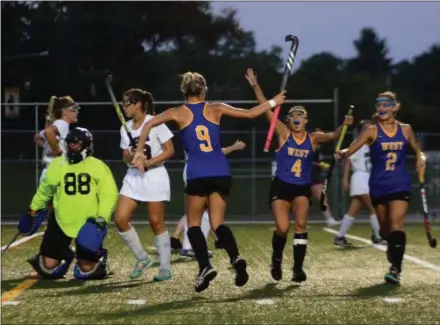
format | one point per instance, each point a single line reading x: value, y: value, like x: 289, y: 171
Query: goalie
x: 84, y: 193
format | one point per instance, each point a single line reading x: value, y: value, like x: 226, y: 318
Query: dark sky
x: 409, y: 27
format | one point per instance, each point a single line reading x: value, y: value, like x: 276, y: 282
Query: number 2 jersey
x: 201, y: 140
x: 388, y: 159
x: 79, y: 191
x: 157, y: 137
x: 295, y: 160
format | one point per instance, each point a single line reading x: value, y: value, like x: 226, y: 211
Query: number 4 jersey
x: 295, y: 160
x: 388, y: 159
x: 79, y: 191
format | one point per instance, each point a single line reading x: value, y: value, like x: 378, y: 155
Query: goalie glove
x: 31, y: 221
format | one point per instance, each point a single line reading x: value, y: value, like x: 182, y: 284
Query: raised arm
x: 254, y: 112
x: 280, y: 128
x: 365, y: 137
x: 322, y: 137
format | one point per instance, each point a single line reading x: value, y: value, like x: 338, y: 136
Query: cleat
x: 341, y: 241
x: 275, y: 269
x: 378, y: 240
x: 241, y: 275
x: 140, y: 267
x: 204, y: 278
x: 299, y: 276
x: 163, y: 275
x: 393, y: 276
x: 188, y: 253
x: 175, y: 243
x: 331, y: 222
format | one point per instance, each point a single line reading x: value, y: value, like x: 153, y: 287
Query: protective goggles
x: 385, y: 101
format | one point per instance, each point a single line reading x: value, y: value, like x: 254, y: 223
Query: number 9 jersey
x: 79, y: 191
x: 154, y: 184
x: 201, y: 140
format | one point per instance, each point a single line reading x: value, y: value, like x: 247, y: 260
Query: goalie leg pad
x: 99, y: 272
x: 90, y: 237
x: 58, y: 272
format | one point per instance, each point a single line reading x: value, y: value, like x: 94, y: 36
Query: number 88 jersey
x: 153, y: 146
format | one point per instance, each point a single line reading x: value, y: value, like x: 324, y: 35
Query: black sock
x: 278, y: 243
x: 200, y: 248
x: 227, y: 239
x: 299, y: 250
x: 397, y: 243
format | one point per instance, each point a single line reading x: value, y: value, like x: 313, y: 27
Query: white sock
x: 345, y: 225
x: 186, y: 244
x: 206, y: 225
x: 132, y: 239
x: 163, y: 246
x: 374, y: 225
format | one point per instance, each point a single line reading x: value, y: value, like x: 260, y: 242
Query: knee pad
x: 99, y: 272
x: 57, y: 272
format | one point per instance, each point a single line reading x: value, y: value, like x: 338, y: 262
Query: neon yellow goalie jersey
x: 79, y: 191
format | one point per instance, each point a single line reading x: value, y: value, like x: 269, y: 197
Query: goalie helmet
x: 79, y: 145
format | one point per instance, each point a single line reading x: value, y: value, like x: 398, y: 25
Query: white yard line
x: 23, y: 240
x: 383, y: 248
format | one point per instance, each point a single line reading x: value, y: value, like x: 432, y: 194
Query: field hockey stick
x: 432, y: 241
x: 49, y: 113
x: 108, y: 83
x: 10, y: 243
x: 287, y: 70
x: 323, y: 206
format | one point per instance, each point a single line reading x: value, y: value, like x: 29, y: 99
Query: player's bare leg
x: 126, y: 207
x: 175, y: 241
x: 316, y: 192
x: 301, y: 211
x: 375, y: 237
x: 280, y: 211
x: 156, y: 216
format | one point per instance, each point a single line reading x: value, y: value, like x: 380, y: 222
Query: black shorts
x: 208, y: 185
x: 385, y: 199
x: 280, y: 190
x: 56, y: 244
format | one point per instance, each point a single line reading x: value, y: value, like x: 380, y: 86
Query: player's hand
x: 345, y: 184
x: 138, y: 161
x: 341, y: 154
x: 324, y: 165
x: 421, y: 162
x: 239, y: 145
x: 279, y: 99
x: 348, y: 120
x: 251, y: 77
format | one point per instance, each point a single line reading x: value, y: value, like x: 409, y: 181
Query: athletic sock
x: 345, y: 225
x: 132, y: 240
x: 278, y: 244
x: 375, y: 225
x: 299, y: 250
x: 163, y: 246
x: 186, y: 245
x: 225, y: 236
x: 397, y: 243
x: 206, y: 225
x: 198, y: 243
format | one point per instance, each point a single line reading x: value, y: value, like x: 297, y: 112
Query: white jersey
x: 63, y: 128
x: 360, y: 160
x: 154, y: 184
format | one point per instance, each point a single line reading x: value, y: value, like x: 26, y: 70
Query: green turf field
x: 345, y: 286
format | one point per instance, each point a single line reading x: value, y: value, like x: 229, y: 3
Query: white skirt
x: 359, y: 184
x: 151, y: 186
